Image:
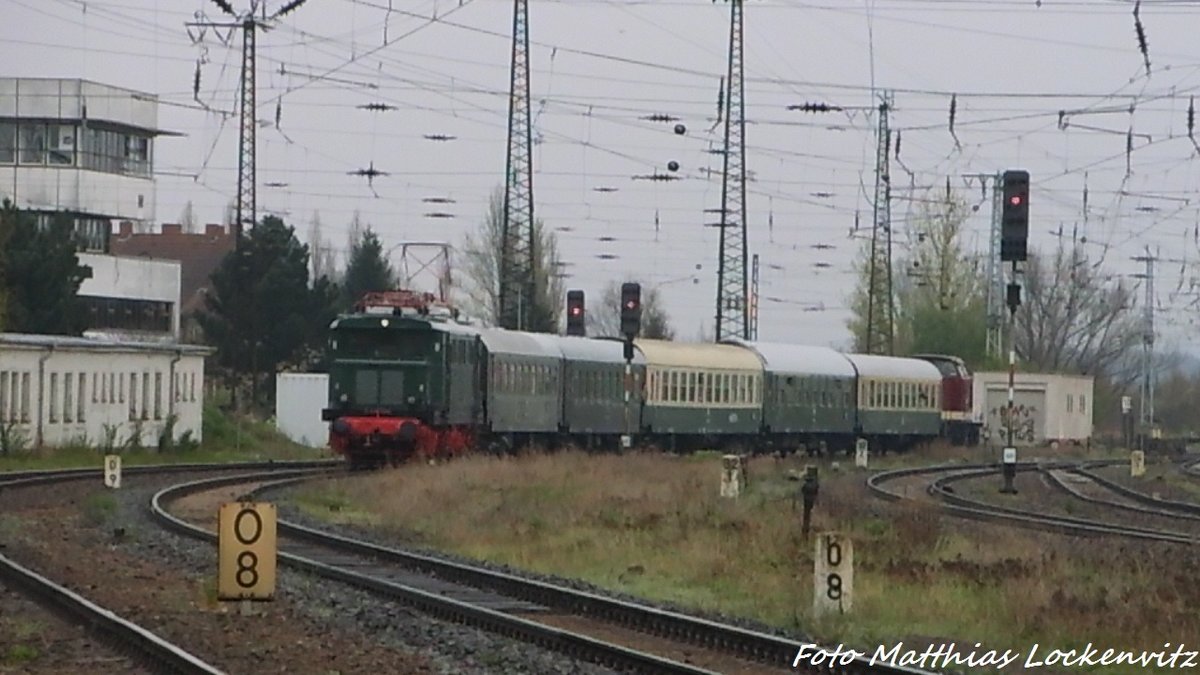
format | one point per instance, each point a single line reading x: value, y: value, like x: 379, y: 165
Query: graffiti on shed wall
x: 1028, y: 412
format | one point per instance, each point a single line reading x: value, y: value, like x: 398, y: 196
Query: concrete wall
x: 299, y: 398
x: 134, y: 278
x: 50, y: 188
x: 39, y: 406
x: 65, y: 99
x: 1049, y: 407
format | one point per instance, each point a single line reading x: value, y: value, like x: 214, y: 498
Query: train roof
x: 499, y: 341
x: 870, y: 365
x: 799, y: 359
x: 597, y: 350
x: 698, y: 355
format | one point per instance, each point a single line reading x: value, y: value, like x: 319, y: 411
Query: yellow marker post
x: 246, y: 551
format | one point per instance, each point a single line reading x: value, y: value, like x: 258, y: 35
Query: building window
x: 116, y: 152
x: 61, y: 144
x: 8, y: 142
x: 1082, y: 404
x: 133, y: 396
x: 81, y: 400
x: 1070, y: 400
x: 124, y: 314
x: 53, y: 397
x: 24, y: 397
x: 68, y: 399
x: 158, y: 396
x: 145, y: 396
x: 4, y: 395
x: 33, y: 143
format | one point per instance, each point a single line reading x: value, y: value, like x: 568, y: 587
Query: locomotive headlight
x: 412, y: 399
x: 343, y: 398
x: 383, y: 322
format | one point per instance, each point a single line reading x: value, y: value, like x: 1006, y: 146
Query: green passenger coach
x: 704, y: 391
x: 897, y: 399
x: 808, y: 392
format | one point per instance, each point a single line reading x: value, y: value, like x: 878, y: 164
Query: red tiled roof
x: 198, y: 256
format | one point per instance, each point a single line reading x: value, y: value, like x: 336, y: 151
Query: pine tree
x: 42, y: 275
x: 263, y: 313
x: 366, y: 269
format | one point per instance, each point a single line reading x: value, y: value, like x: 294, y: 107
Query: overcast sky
x: 1053, y: 89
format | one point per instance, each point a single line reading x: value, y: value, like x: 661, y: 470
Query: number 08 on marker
x: 246, y: 543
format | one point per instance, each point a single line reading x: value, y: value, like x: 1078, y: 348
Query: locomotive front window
x: 381, y: 344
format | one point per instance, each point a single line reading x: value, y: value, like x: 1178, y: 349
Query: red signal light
x: 1015, y: 200
x: 575, y: 311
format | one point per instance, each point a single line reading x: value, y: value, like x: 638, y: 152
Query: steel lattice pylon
x: 879, y: 283
x: 733, y: 305
x: 246, y: 198
x: 518, y: 283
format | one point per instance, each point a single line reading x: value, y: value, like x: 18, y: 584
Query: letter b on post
x: 833, y: 574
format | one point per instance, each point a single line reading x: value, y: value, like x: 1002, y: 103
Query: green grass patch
x: 20, y: 654
x: 227, y: 438
x: 654, y: 526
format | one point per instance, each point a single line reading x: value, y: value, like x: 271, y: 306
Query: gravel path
x: 105, y: 546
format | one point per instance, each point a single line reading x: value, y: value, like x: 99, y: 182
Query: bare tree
x: 479, y: 260
x: 1075, y: 319
x: 937, y: 290
x: 604, y: 317
x: 187, y: 218
x: 320, y: 251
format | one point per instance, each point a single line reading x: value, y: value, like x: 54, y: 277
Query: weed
x: 99, y: 508
x: 654, y: 525
x: 19, y: 654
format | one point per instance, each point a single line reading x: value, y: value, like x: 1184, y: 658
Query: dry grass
x: 654, y: 525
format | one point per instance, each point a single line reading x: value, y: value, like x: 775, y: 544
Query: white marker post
x: 732, y: 476
x: 833, y: 574
x: 860, y: 453
x: 1137, y: 463
x: 112, y: 471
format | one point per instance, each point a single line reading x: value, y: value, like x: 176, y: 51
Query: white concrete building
x: 128, y: 296
x: 1048, y: 408
x: 62, y: 390
x: 299, y: 399
x: 85, y: 151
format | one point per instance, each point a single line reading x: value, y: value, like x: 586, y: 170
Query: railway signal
x: 1014, y: 218
x: 631, y: 309
x: 576, y: 314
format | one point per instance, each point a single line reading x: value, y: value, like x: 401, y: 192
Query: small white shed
x: 1047, y: 407
x: 299, y: 398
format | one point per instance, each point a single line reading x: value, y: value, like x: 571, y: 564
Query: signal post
x: 1014, y: 238
x: 631, y: 324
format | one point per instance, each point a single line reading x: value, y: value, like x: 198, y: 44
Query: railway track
x: 942, y: 490
x: 125, y: 636
x: 621, y: 635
